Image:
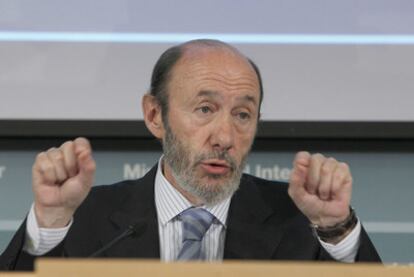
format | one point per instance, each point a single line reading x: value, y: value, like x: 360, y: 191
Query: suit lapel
x: 252, y: 232
x: 138, y: 210
x: 249, y: 234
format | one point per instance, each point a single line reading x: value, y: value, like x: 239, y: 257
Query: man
x: 204, y: 106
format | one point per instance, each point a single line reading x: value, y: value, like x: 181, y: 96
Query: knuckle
x: 68, y: 148
x: 91, y: 167
x: 339, y: 175
x: 313, y: 159
x: 46, y: 167
x: 67, y: 144
x: 59, y: 157
x: 40, y: 157
x: 56, y: 155
x: 344, y: 166
x: 326, y: 168
x: 51, y: 149
x: 318, y: 157
x: 331, y: 160
x: 302, y: 155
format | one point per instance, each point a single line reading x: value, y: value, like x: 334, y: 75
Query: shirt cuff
x: 38, y: 240
x: 347, y: 249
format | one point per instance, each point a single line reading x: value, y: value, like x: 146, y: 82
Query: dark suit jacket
x: 263, y: 224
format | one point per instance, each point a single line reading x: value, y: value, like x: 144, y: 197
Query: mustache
x: 222, y: 155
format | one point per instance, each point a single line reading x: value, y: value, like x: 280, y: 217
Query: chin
x: 215, y: 191
x: 215, y: 182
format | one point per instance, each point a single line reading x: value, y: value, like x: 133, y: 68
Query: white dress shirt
x: 169, y: 204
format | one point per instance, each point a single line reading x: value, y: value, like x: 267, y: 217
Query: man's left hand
x: 321, y: 188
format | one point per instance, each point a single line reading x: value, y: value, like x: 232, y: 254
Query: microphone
x: 132, y: 230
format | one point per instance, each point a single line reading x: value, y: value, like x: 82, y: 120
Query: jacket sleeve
x: 366, y: 251
x: 10, y: 255
x: 14, y: 258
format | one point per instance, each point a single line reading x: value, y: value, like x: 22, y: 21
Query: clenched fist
x: 62, y: 178
x: 321, y: 188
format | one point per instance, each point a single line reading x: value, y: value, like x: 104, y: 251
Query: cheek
x: 199, y: 140
x: 193, y: 140
x: 242, y: 146
x: 246, y: 144
x: 246, y: 134
x: 194, y: 133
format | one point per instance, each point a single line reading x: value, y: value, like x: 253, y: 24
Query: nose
x: 223, y: 134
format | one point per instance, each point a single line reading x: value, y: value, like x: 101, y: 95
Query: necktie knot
x: 196, y: 222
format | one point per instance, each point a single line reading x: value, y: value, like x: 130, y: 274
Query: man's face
x: 214, y: 100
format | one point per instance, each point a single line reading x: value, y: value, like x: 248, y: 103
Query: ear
x: 152, y: 115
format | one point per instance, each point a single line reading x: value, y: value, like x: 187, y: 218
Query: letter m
x: 132, y: 172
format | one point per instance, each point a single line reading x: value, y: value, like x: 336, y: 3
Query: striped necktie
x: 195, y: 222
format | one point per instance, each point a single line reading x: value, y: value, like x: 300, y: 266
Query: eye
x: 244, y: 116
x: 205, y: 109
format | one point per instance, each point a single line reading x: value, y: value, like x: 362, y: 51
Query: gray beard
x: 185, y: 174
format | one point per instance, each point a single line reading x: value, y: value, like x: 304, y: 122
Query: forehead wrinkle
x: 209, y: 94
x: 215, y: 94
x: 200, y: 67
x: 236, y: 83
x: 215, y: 70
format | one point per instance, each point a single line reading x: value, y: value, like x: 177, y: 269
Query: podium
x: 150, y: 268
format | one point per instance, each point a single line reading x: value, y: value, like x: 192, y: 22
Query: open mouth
x: 217, y: 167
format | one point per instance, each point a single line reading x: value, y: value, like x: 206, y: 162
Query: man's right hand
x: 62, y: 178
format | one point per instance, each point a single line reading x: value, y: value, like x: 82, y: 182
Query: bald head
x: 163, y: 69
x: 207, y: 44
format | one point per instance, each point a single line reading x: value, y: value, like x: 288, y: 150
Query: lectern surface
x: 129, y: 267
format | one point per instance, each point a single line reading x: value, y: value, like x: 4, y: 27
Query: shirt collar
x: 170, y: 202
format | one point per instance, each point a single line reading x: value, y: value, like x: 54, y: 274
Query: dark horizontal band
x: 266, y: 130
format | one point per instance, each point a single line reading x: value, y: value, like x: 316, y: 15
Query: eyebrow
x: 208, y: 93
x: 215, y: 94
